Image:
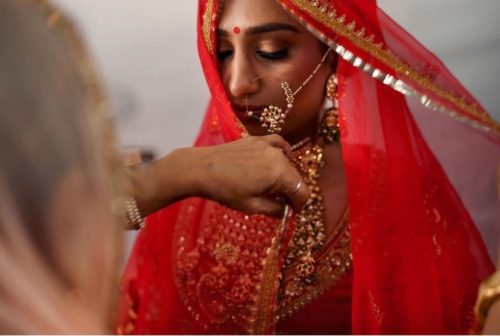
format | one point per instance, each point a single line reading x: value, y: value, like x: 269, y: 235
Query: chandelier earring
x: 332, y: 87
x: 329, y: 129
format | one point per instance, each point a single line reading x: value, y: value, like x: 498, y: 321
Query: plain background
x: 146, y: 53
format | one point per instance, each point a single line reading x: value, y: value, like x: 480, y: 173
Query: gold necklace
x: 309, y: 235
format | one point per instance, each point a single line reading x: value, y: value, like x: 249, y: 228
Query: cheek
x: 310, y: 99
x: 303, y: 68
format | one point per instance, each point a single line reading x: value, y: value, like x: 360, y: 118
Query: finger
x: 297, y: 192
x: 277, y: 141
x: 265, y: 206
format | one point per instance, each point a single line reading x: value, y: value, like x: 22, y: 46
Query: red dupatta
x: 420, y: 154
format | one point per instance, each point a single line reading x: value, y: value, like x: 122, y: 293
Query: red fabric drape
x: 420, y: 155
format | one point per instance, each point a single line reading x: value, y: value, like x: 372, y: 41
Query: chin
x: 253, y: 127
x: 255, y: 130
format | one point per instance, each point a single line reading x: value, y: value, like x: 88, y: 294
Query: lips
x: 241, y: 110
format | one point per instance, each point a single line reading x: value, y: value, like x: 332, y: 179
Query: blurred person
x: 401, y: 161
x: 62, y: 184
x: 59, y: 242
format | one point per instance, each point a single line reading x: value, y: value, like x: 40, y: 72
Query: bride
x: 389, y: 241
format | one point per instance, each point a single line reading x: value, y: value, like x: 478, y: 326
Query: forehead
x: 247, y: 13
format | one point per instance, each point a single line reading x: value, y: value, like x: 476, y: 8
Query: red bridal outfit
x: 420, y: 154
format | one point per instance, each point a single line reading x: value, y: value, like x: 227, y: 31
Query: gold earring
x: 332, y: 89
x: 329, y: 129
x: 273, y: 117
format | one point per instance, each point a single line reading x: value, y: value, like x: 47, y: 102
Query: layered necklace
x: 309, y: 236
x: 313, y: 262
x: 302, y: 264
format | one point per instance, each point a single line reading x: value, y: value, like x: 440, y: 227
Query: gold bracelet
x: 133, y: 215
x: 488, y: 294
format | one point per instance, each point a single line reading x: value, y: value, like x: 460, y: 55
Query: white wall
x: 465, y: 34
x: 146, y: 51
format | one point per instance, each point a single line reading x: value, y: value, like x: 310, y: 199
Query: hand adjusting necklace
x: 309, y: 235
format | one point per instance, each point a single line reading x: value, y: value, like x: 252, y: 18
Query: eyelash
x: 273, y: 56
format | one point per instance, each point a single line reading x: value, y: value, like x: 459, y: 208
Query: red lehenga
x: 420, y: 155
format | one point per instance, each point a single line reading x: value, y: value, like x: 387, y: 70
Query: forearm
x: 246, y: 175
x: 165, y: 181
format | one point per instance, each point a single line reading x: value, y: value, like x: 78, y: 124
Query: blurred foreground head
x: 58, y: 240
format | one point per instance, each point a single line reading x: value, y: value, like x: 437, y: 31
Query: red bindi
x: 236, y: 30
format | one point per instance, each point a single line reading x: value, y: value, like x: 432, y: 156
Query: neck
x: 309, y: 130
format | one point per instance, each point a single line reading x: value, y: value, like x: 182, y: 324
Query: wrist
x: 198, y: 169
x: 180, y: 174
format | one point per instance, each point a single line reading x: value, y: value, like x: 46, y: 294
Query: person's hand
x: 253, y: 174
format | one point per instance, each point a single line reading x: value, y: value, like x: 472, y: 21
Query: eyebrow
x: 265, y: 28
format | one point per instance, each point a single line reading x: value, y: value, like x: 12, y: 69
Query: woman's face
x: 260, y: 45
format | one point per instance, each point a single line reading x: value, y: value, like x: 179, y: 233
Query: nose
x: 240, y: 77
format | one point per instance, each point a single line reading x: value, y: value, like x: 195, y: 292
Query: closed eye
x: 275, y: 55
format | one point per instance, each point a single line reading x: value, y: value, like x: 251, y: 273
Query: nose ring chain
x: 273, y: 117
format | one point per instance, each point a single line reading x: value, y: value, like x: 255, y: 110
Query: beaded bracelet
x: 133, y: 215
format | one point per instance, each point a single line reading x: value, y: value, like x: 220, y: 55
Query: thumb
x: 266, y: 206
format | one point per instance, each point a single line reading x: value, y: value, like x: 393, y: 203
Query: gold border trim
x: 328, y: 16
x: 405, y: 89
x: 207, y: 20
x: 263, y: 320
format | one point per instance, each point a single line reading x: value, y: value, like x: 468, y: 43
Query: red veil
x: 421, y: 157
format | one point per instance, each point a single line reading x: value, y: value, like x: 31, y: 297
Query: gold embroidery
x: 329, y: 17
x: 375, y: 309
x: 129, y: 326
x: 207, y: 24
x: 437, y: 247
x: 227, y: 253
x: 263, y: 318
x: 219, y: 265
x: 332, y: 264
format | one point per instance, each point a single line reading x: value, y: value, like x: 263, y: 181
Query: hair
x: 50, y: 126
x: 42, y: 111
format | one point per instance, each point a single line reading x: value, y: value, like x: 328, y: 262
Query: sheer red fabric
x: 420, y: 155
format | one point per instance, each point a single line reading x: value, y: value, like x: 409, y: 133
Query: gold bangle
x: 488, y: 294
x: 133, y: 215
